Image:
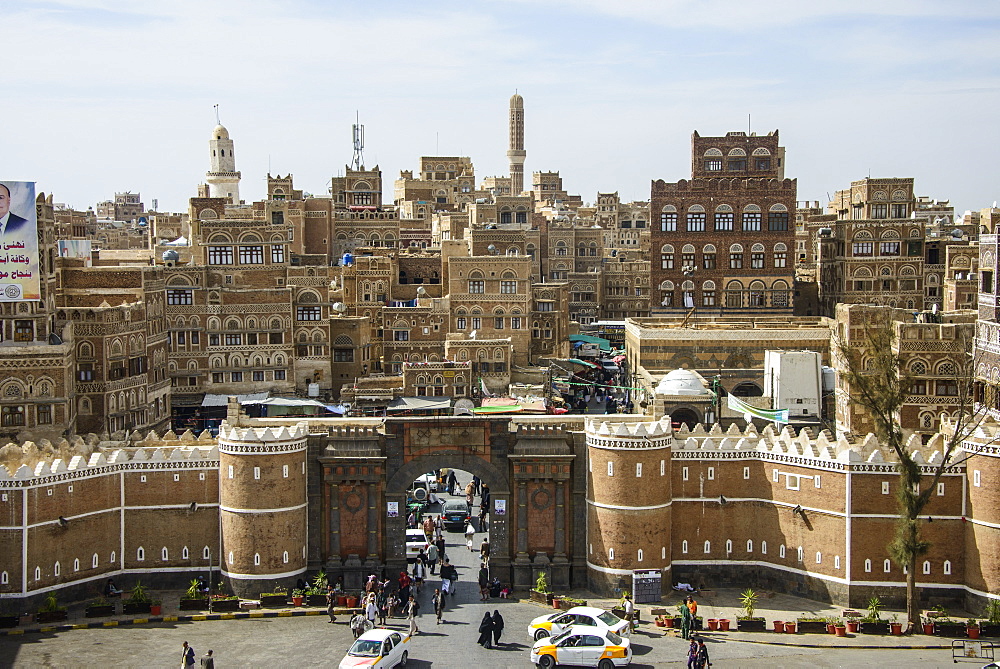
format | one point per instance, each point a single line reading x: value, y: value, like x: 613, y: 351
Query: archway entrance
x: 688, y: 417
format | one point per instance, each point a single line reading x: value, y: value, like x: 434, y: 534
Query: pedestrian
x: 440, y: 544
x: 685, y: 621
x: 371, y: 584
x: 411, y: 520
x: 486, y: 631
x: 476, y: 484
x: 418, y: 573
x: 497, y: 627
x: 629, y: 611
x: 392, y: 603
x: 432, y: 557
x: 470, y: 489
x: 692, y: 655
x: 484, y: 549
x: 428, y: 526
x: 483, y: 511
x: 404, y: 586
x: 330, y: 601
x: 449, y: 578
x: 438, y: 601
x: 187, y: 656
x: 371, y: 609
x: 468, y: 504
x: 703, y: 660
x: 452, y: 482
x: 412, y: 610
x: 693, y: 608
x: 484, y: 583
x: 358, y: 624
x: 207, y: 661
x: 485, y: 496
x: 470, y: 533
x: 381, y: 604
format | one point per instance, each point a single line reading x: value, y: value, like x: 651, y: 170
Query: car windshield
x: 559, y: 637
x: 609, y: 619
x: 415, y: 535
x: 614, y: 638
x: 366, y: 648
x: 455, y: 507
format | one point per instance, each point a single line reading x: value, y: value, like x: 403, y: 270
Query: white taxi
x: 584, y: 646
x: 416, y: 541
x: 378, y: 649
x: 554, y: 623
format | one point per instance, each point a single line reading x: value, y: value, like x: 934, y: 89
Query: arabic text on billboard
x: 19, y: 280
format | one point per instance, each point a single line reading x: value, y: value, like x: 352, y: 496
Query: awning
x: 509, y: 408
x: 603, y: 343
x: 213, y: 400
x: 617, y: 359
x: 419, y: 404
x: 285, y: 402
x: 585, y: 363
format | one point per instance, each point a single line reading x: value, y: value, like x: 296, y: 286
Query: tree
x: 881, y: 383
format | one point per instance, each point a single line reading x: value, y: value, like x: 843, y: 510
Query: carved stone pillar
x: 333, y: 494
x: 522, y: 518
x: 372, y: 523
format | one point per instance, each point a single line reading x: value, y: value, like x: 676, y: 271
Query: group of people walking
x: 490, y: 630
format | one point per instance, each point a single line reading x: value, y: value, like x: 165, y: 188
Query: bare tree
x: 880, y: 383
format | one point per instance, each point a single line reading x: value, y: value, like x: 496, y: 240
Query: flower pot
x: 724, y: 624
x: 973, y: 632
x: 341, y: 600
x: 659, y: 622
x: 928, y: 628
x: 556, y: 602
x: 713, y: 624
x: 100, y: 611
x: 668, y: 622
x: 297, y: 600
x: 831, y: 628
x: 789, y: 627
x: 841, y: 630
x: 896, y: 629
x: 352, y: 602
x: 779, y: 626
x: 155, y: 609
x: 852, y: 627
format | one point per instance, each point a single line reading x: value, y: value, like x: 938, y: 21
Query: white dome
x: 220, y: 132
x: 682, y: 382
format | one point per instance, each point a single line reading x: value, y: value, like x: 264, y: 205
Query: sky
x: 105, y: 96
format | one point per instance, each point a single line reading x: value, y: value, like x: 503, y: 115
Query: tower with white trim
x: 628, y: 502
x: 223, y: 179
x: 262, y: 504
x: 516, y: 153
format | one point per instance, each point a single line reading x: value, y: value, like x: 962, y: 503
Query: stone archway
x: 685, y: 415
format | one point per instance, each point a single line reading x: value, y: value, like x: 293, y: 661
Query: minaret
x: 515, y: 156
x: 223, y: 180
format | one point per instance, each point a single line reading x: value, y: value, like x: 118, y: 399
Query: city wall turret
x: 263, y: 505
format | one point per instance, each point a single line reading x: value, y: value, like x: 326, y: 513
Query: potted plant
x: 990, y: 625
x: 138, y: 600
x: 352, y: 601
x: 223, y: 603
x: 50, y: 611
x: 895, y: 627
x: 746, y: 621
x: 972, y: 628
x: 839, y: 628
x: 556, y: 602
x: 724, y: 624
x: 541, y: 592
x: 155, y: 607
x: 779, y: 626
x: 812, y: 625
x: 831, y: 625
x: 298, y: 596
x: 193, y: 599
x: 852, y: 626
x: 316, y: 595
x: 100, y: 607
x: 276, y: 599
x: 789, y: 627
x: 872, y: 623
x: 928, y: 626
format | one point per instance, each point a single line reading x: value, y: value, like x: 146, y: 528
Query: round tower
x: 223, y: 179
x: 628, y: 502
x: 262, y: 505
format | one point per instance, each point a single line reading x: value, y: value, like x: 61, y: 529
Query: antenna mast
x: 358, y: 132
x: 217, y: 121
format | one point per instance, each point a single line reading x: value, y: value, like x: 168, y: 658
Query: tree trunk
x: 912, y: 604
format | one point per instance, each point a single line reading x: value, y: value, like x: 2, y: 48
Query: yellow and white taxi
x: 378, y: 649
x: 553, y: 624
x: 584, y: 646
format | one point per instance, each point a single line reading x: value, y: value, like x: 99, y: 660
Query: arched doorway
x: 688, y: 417
x: 748, y: 389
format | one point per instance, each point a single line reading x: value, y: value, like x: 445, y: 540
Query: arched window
x: 38, y: 573
x: 781, y: 551
x: 927, y: 566
x: 140, y: 554
x: 57, y: 569
x: 206, y: 553
x: 800, y: 554
x: 164, y: 554
x: 684, y: 546
x: 185, y: 553
x: 749, y: 545
x: 868, y: 565
x: 729, y: 546
x: 94, y: 561
x: 4, y: 578
x: 639, y: 555
x: 114, y: 557
x: 256, y: 559
x: 887, y: 566
x: 611, y: 553
x: 708, y: 547
x: 763, y: 547
x: 76, y: 564
x: 284, y: 557
x: 947, y: 567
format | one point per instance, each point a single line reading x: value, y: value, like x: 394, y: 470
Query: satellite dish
x: 421, y: 291
x: 464, y: 407
x: 339, y: 307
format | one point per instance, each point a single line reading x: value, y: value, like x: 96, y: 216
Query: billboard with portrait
x: 19, y: 280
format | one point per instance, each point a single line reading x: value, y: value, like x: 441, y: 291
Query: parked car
x: 583, y: 646
x: 415, y: 541
x: 456, y: 514
x: 378, y: 649
x: 609, y: 366
x: 556, y: 623
x: 429, y: 480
